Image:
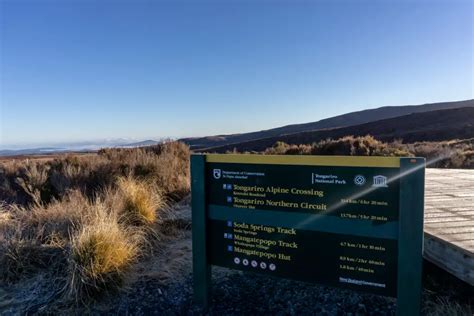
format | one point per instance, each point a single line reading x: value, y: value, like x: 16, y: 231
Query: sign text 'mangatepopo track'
x: 329, y: 220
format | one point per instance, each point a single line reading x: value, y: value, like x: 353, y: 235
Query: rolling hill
x: 425, y: 126
x: 349, y: 119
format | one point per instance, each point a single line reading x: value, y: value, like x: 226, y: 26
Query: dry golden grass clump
x: 141, y: 201
x: 101, y: 254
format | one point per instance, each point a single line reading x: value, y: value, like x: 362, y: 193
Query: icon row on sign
x: 255, y: 264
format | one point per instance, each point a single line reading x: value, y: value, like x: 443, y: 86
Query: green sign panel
x: 351, y: 222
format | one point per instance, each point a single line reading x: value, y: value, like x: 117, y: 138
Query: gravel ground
x: 235, y: 293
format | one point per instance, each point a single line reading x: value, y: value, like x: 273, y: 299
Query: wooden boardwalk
x: 449, y: 221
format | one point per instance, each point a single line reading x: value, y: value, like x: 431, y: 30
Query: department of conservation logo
x: 380, y: 181
x: 359, y: 180
x: 216, y: 173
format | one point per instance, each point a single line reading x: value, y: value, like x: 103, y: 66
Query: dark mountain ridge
x: 425, y: 126
x: 348, y: 119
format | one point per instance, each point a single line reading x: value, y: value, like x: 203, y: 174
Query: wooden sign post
x: 349, y: 222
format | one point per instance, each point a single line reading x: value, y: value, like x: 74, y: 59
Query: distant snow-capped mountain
x: 76, y: 147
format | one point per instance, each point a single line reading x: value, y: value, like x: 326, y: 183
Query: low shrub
x: 358, y: 146
x: 54, y: 221
x: 282, y: 148
x: 447, y: 154
x: 36, y: 182
x: 22, y: 257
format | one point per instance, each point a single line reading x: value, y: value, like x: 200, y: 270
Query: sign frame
x: 410, y: 232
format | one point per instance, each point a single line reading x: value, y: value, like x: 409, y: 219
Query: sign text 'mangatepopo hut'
x: 338, y: 221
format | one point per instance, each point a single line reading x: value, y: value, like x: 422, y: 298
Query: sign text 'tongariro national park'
x: 350, y: 222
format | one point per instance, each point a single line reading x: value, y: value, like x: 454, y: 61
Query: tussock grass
x: 86, y: 219
x: 141, y: 201
x: 101, y: 254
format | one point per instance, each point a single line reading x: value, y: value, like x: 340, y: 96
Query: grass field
x: 87, y: 218
x: 85, y: 226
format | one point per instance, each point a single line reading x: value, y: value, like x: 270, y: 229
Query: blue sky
x: 83, y: 70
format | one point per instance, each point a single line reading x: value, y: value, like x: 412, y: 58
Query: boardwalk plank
x: 449, y: 221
